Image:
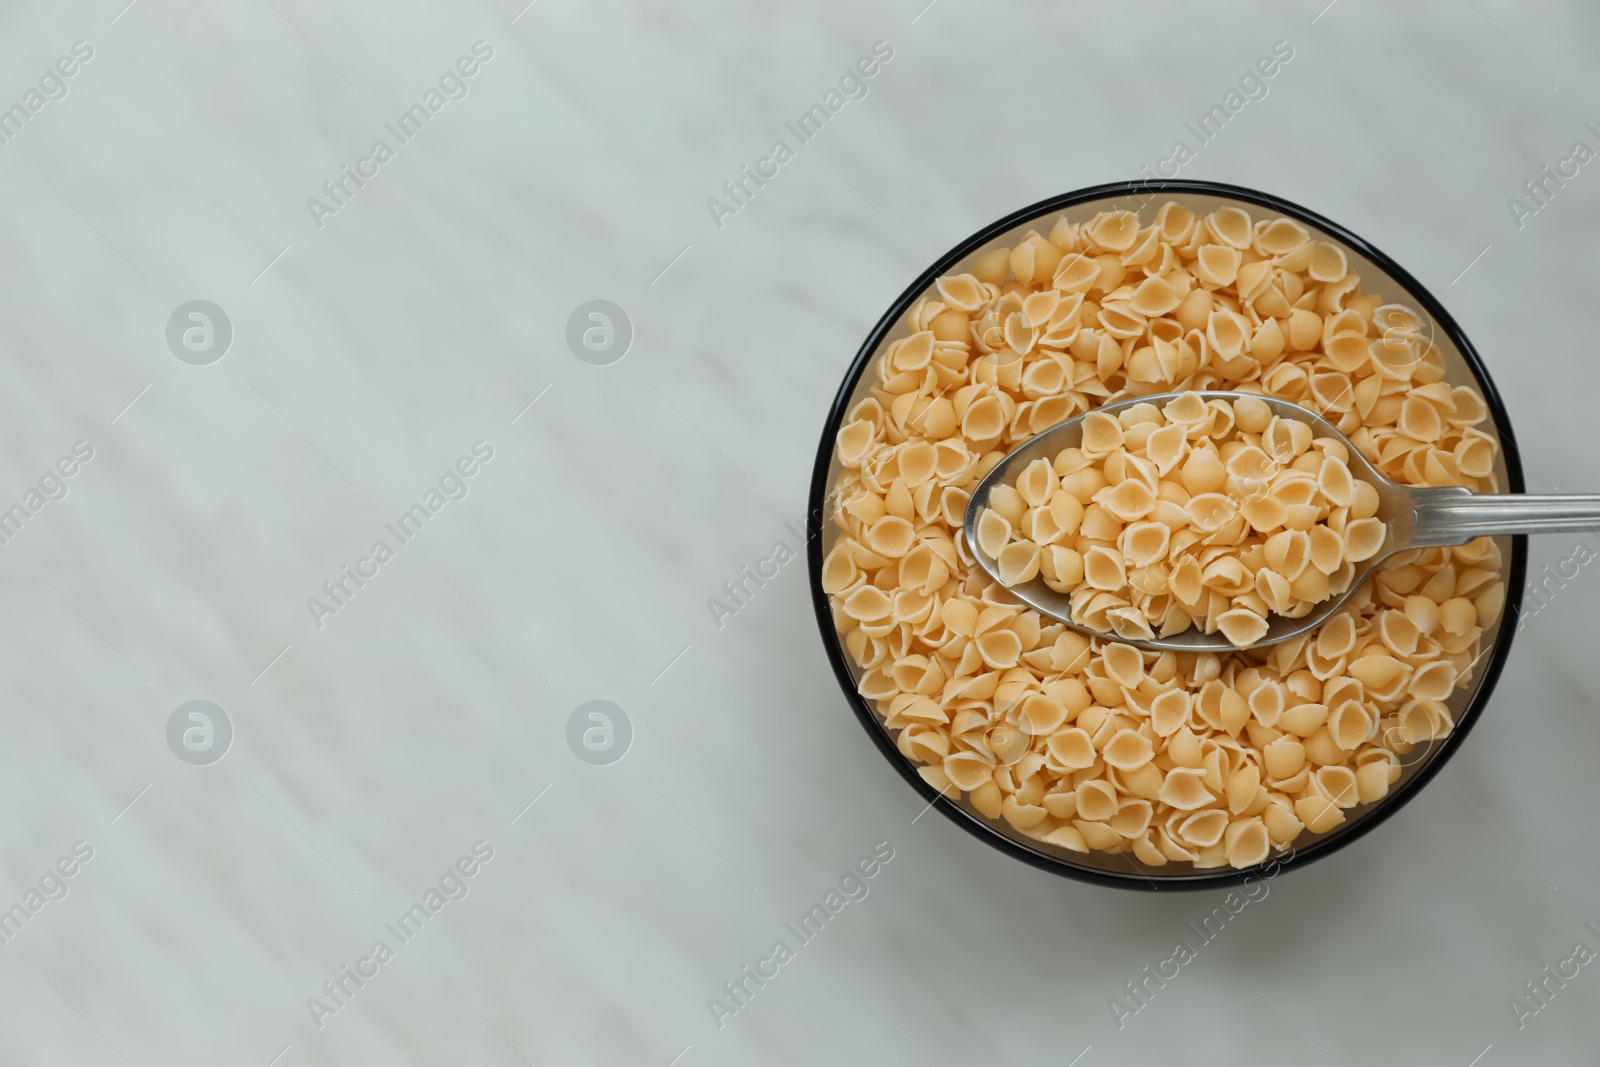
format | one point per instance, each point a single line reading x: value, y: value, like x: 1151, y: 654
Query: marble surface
x: 375, y: 746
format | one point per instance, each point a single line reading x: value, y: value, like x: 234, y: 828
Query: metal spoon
x: 1415, y: 518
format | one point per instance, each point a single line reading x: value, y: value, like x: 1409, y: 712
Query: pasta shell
x: 855, y: 438
x: 1000, y: 649
x: 1114, y: 230
x: 1283, y: 758
x: 1154, y: 297
x: 1037, y: 483
x: 1203, y: 472
x: 1303, y: 720
x: 838, y: 570
x: 1096, y: 800
x: 1350, y: 725
x: 1071, y: 749
x: 1227, y: 332
x: 1253, y: 279
x: 1098, y: 836
x: 1169, y: 712
x: 1242, y: 787
x: 1042, y: 716
x: 1018, y: 563
x: 1144, y: 543
x: 1288, y: 552
x: 1247, y: 842
x: 891, y: 536
x: 1241, y: 627
x: 1265, y: 514
x: 918, y: 461
x: 968, y: 770
x: 1372, y: 782
x: 962, y: 292
x: 1124, y: 664
x: 1067, y: 837
x: 1318, y: 813
x: 1282, y: 824
x: 1022, y: 816
x: 1383, y: 675
x: 1175, y: 223
x: 984, y: 420
x: 1101, y: 433
x: 1282, y: 236
x: 1128, y: 500
x: 1203, y: 829
x: 1273, y: 588
x: 1076, y: 273
x: 1128, y: 750
x: 1132, y: 818
x: 1211, y: 511
x: 912, y: 353
x: 867, y: 604
x: 994, y: 532
x: 1363, y: 539
x: 1217, y: 265
x: 1183, y: 788
x: 1008, y: 744
x: 1233, y: 226
x: 1103, y: 568
x: 1328, y: 262
x: 1130, y: 624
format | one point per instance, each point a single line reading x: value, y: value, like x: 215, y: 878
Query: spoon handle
x: 1452, y: 517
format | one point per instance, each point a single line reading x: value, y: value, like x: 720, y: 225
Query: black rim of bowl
x: 1277, y: 864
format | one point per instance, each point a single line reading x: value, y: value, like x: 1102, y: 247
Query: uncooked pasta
x: 1090, y: 744
x: 1214, y: 514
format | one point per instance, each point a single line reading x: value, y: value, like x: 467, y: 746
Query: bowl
x: 1379, y: 274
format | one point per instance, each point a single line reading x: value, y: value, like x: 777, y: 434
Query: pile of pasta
x: 1091, y: 744
x: 1218, y: 513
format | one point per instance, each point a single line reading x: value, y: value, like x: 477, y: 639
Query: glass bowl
x: 1379, y: 274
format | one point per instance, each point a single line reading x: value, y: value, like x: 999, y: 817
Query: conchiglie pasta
x: 1196, y: 513
x: 1184, y: 789
x: 1260, y: 495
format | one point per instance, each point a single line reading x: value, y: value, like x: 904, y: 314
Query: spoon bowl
x: 1414, y: 518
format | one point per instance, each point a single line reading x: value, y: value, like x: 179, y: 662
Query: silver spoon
x: 1415, y: 518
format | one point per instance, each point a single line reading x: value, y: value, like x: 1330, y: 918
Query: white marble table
x: 377, y: 338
